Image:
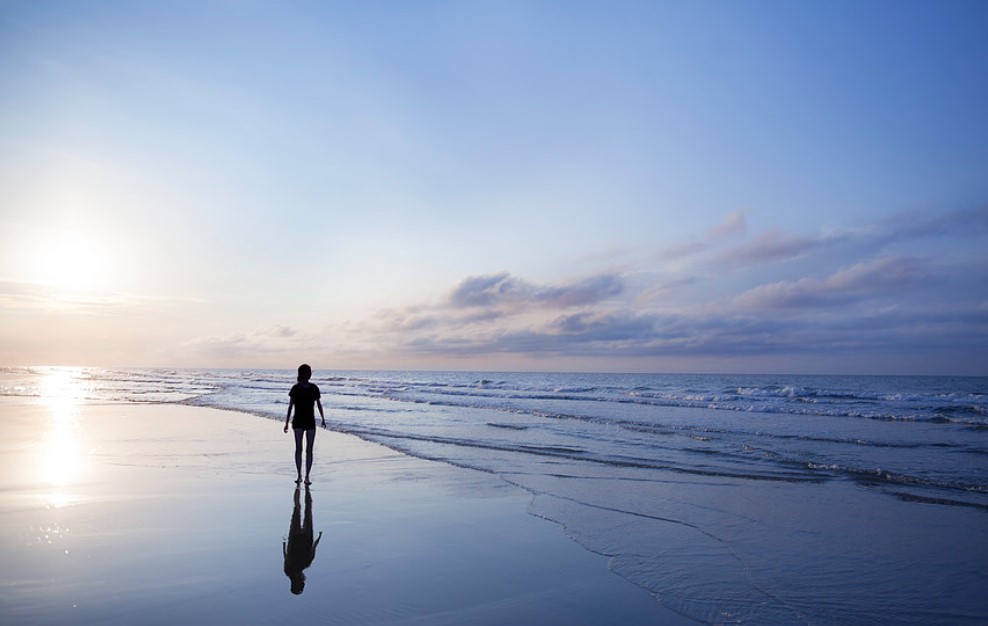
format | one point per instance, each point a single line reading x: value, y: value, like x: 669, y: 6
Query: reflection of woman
x: 300, y: 549
x: 303, y: 396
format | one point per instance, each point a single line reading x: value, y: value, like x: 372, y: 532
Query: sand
x: 167, y: 514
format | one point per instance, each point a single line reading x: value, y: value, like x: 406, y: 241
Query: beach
x: 120, y: 513
x: 452, y: 497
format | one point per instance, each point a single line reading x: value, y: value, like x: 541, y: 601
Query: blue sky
x: 629, y: 186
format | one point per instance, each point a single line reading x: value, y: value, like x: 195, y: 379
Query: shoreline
x: 165, y: 513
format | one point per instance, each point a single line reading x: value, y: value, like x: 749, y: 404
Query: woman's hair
x: 304, y: 373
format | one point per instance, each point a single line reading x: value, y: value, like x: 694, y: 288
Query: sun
x: 71, y: 261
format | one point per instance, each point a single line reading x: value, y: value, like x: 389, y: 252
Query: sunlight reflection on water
x: 60, y: 458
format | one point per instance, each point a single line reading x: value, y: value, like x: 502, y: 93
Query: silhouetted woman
x: 300, y: 549
x: 302, y: 398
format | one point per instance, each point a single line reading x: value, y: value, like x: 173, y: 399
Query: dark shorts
x: 304, y: 424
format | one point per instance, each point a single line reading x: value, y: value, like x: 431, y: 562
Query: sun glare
x: 72, y: 261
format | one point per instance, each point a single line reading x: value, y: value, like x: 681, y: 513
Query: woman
x: 302, y: 397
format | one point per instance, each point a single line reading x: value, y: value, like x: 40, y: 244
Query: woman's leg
x: 310, y: 439
x: 298, y: 452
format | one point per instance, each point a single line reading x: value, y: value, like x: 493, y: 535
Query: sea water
x: 731, y: 498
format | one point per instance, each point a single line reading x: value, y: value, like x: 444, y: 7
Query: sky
x: 696, y: 186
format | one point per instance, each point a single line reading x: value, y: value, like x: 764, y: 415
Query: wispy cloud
x: 504, y: 290
x: 770, y: 246
x: 916, y: 225
x: 717, y: 248
x: 260, y: 341
x: 857, y: 281
x: 735, y: 224
x: 36, y: 298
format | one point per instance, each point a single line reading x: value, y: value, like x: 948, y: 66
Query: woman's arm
x: 291, y: 403
x: 321, y: 414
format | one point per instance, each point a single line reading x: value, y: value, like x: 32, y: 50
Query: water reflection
x: 60, y: 457
x: 300, y: 549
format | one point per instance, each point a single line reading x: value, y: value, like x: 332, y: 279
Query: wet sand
x: 165, y: 514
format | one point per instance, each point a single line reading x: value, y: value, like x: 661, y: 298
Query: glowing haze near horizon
x: 610, y: 186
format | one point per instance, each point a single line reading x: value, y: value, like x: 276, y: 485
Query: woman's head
x: 298, y: 582
x: 304, y: 373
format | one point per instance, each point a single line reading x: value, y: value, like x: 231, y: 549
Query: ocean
x: 763, y: 499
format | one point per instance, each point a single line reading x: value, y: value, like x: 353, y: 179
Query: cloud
x: 879, y: 275
x: 591, y: 332
x: 857, y: 281
x: 581, y: 292
x: 662, y: 288
x: 19, y: 295
x: 36, y: 298
x: 914, y: 225
x: 488, y: 290
x: 492, y: 300
x: 278, y: 331
x: 774, y: 246
x: 682, y: 250
x: 734, y: 224
x: 504, y: 290
x: 264, y: 340
x: 607, y: 326
x: 770, y: 246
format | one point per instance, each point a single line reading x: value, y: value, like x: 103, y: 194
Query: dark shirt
x: 305, y: 396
